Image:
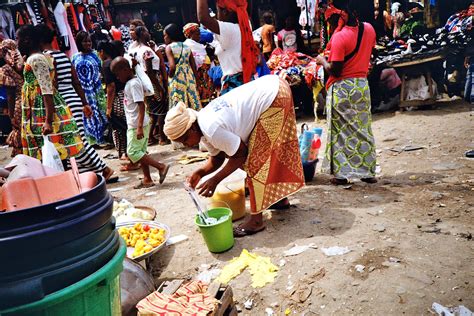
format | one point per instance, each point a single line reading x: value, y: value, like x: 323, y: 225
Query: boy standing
x: 137, y: 123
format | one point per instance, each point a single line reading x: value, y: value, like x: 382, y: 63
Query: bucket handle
x: 226, y: 186
x: 219, y: 201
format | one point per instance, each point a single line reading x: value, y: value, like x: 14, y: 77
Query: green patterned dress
x: 350, y: 149
x: 38, y: 74
x: 182, y: 86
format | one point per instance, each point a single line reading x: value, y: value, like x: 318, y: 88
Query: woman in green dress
x: 44, y: 111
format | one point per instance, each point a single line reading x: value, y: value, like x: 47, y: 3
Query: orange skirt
x: 273, y: 166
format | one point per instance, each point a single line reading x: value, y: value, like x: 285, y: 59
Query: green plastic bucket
x: 218, y: 237
x: 96, y: 295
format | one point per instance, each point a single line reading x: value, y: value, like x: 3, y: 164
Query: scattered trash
x: 287, y: 311
x: 371, y: 269
x: 360, y: 268
x: 262, y: 270
x: 406, y: 148
x: 316, y: 221
x: 248, y: 304
x: 413, y: 177
x: 176, y: 239
x: 302, y: 293
x: 347, y: 187
x: 189, y: 159
x: 123, y: 179
x: 296, y: 250
x: 442, y: 205
x: 115, y: 189
x: 208, y: 276
x: 151, y: 193
x: 436, y: 196
x: 446, y: 166
x: 460, y: 310
x: 379, y: 228
x: 282, y: 263
x: 269, y: 312
x: 335, y: 251
x: 394, y: 260
x: 378, y: 169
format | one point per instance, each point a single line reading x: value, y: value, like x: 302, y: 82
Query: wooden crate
x: 223, y: 293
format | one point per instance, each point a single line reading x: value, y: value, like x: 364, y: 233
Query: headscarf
x: 189, y: 29
x: 249, y: 50
x: 179, y: 120
x: 343, y: 17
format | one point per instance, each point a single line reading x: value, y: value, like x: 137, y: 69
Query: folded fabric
x: 190, y: 299
x: 189, y: 159
x: 261, y: 269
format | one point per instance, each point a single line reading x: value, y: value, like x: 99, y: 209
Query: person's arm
x: 80, y: 92
x: 40, y: 67
x: 212, y: 164
x: 171, y: 61
x: 110, y: 89
x: 192, y: 62
x: 235, y: 162
x: 205, y: 18
x: 333, y: 68
x: 150, y: 71
x: 141, y: 119
x: 164, y: 75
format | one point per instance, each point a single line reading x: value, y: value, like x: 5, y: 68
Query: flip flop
x: 337, y: 181
x: 142, y: 185
x: 281, y: 205
x: 240, y: 232
x: 164, y: 173
x: 112, y: 180
x: 369, y: 180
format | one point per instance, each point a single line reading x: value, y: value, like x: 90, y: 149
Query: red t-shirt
x: 343, y: 43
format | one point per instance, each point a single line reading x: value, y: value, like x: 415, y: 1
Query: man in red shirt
x: 350, y: 153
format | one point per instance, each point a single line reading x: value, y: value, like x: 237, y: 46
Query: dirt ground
x: 412, y: 231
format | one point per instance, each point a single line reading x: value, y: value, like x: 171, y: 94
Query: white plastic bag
x: 50, y: 155
x: 143, y: 77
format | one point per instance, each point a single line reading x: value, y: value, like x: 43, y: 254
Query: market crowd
x: 207, y: 85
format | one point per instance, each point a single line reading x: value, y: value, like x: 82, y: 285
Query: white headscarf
x: 179, y: 120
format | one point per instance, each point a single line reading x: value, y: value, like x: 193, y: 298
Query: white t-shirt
x: 229, y: 50
x: 141, y: 50
x: 232, y: 117
x: 133, y: 94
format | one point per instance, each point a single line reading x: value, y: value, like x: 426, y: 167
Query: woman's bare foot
x: 107, y: 174
x: 252, y: 225
x: 130, y: 167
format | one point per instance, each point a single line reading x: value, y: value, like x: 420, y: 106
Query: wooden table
x: 413, y: 68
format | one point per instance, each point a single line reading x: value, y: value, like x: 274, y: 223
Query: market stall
x: 302, y: 73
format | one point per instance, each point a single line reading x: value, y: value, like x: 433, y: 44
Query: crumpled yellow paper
x: 262, y: 270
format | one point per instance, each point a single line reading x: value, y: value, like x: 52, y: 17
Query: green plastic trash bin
x: 96, y: 295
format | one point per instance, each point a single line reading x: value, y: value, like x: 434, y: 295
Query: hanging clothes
x: 7, y: 24
x: 64, y: 29
x: 72, y: 18
x: 31, y: 13
x: 36, y: 4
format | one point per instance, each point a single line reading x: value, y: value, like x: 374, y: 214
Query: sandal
x: 130, y: 167
x: 112, y: 180
x: 143, y: 185
x: 164, y: 173
x: 369, y: 180
x: 240, y: 232
x: 281, y: 205
x: 339, y: 181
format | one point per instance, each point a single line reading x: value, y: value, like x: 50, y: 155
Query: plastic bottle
x: 315, y: 146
